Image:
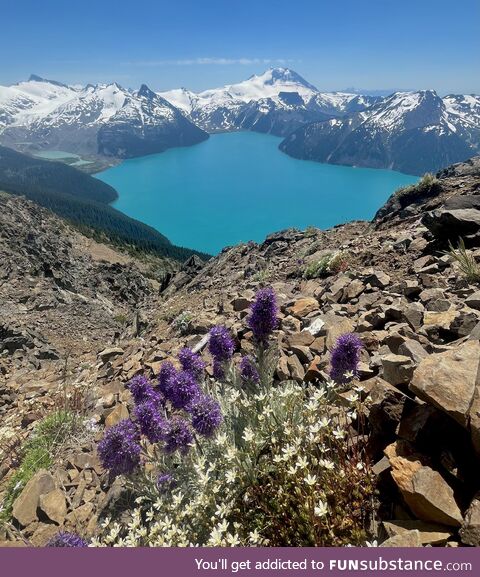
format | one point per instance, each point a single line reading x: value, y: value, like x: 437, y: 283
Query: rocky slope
x: 417, y: 315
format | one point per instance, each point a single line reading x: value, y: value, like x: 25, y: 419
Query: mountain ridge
x: 415, y: 131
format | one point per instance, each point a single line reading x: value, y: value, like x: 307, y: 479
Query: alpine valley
x: 412, y: 132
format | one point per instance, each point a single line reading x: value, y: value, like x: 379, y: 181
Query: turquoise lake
x: 236, y: 187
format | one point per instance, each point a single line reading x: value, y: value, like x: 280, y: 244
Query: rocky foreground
x: 79, y: 319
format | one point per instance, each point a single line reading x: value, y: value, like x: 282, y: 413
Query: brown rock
x: 447, y: 380
x: 291, y: 324
x: 313, y: 372
x: 295, y: 368
x: 303, y: 339
x: 377, y: 279
x: 470, y: 531
x: 406, y: 539
x: 335, y: 326
x: 303, y: 307
x: 425, y: 491
x: 26, y: 504
x: 283, y: 372
x: 54, y: 505
x: 397, y: 369
x: 43, y: 533
x: 109, y: 353
x: 430, y: 533
x: 119, y: 413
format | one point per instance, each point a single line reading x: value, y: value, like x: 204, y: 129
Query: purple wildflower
x: 165, y: 481
x: 218, y: 370
x: 192, y: 363
x: 62, y: 539
x: 248, y: 371
x: 151, y: 423
x: 119, y: 450
x: 221, y: 345
x: 142, y: 390
x: 206, y: 415
x: 178, y: 435
x: 263, y: 315
x: 345, y: 357
x: 165, y: 377
x: 183, y: 390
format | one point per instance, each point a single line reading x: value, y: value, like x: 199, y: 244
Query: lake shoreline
x: 238, y: 186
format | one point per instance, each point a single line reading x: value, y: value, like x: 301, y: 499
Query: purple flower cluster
x: 142, y: 390
x: 345, y: 357
x: 183, y: 390
x: 165, y: 378
x: 119, y: 450
x: 263, y: 315
x: 220, y: 344
x: 192, y: 363
x: 221, y: 347
x: 248, y: 371
x: 206, y: 415
x: 151, y: 423
x: 178, y: 435
x: 62, y: 539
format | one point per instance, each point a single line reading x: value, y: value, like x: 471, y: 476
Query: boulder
x: 470, y: 530
x: 377, y: 279
x: 397, y: 369
x: 26, y: 504
x: 453, y: 223
x: 425, y: 491
x: 412, y: 349
x: 430, y: 533
x: 473, y: 301
x: 295, y: 368
x: 54, y: 505
x: 303, y: 307
x: 109, y: 353
x: 386, y: 406
x: 406, y: 539
x: 448, y: 380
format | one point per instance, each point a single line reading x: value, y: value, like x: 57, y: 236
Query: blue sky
x: 370, y: 44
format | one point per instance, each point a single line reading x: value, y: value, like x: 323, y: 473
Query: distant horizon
x: 350, y: 89
x: 203, y: 45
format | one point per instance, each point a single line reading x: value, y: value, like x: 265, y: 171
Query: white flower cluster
x: 283, y: 439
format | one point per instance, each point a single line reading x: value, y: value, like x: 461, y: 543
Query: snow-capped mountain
x: 409, y: 131
x: 464, y: 113
x: 277, y: 101
x: 23, y: 101
x: 104, y: 119
x: 412, y: 132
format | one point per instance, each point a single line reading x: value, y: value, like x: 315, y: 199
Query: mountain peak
x: 146, y: 92
x: 36, y: 78
x: 281, y: 75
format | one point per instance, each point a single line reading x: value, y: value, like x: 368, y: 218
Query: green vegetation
x: 39, y: 453
x: 85, y: 204
x: 262, y: 276
x: 466, y: 261
x: 427, y: 186
x: 311, y: 231
x: 331, y: 263
x: 183, y: 323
